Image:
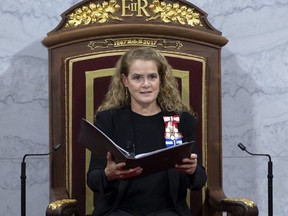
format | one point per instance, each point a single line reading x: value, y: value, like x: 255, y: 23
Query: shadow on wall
x: 24, y: 129
x: 238, y: 126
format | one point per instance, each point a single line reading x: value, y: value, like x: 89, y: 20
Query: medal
x: 172, y: 135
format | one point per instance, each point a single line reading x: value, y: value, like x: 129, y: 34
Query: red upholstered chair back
x: 87, y: 80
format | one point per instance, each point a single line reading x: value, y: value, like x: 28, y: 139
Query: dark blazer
x: 117, y: 124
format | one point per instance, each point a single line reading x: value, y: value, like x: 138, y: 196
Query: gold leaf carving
x: 58, y: 203
x: 93, y: 13
x: 174, y: 13
x: 246, y: 201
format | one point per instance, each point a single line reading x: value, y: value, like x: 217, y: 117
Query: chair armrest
x: 233, y: 206
x: 61, y: 204
x: 240, y: 206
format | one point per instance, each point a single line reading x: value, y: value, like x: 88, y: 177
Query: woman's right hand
x: 115, y: 171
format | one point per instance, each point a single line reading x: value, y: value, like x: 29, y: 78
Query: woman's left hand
x: 189, y: 165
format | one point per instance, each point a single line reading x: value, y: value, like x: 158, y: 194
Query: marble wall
x: 254, y: 93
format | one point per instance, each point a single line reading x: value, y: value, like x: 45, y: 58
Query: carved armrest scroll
x: 240, y: 207
x: 233, y: 206
x: 62, y: 204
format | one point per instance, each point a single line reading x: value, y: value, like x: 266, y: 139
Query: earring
x: 126, y: 91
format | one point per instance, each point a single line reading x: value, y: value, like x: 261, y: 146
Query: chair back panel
x: 87, y: 80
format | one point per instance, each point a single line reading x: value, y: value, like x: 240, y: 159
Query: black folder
x: 99, y: 144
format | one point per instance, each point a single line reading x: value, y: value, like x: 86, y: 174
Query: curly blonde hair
x: 168, y: 98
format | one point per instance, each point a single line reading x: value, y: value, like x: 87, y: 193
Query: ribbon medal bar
x: 171, y: 134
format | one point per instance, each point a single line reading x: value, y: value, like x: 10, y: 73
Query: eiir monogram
x: 131, y: 7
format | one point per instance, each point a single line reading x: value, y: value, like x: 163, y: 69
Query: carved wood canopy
x: 173, y: 18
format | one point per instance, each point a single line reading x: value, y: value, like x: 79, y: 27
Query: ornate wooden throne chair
x: 83, y: 50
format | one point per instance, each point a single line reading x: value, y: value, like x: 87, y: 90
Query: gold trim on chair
x: 59, y: 203
x: 246, y: 201
x: 90, y: 76
x: 105, y: 11
x: 92, y: 13
x: 135, y: 41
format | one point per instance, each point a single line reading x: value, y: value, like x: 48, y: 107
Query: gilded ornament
x: 93, y: 13
x: 58, y: 203
x: 246, y: 201
x: 120, y: 42
x: 174, y: 13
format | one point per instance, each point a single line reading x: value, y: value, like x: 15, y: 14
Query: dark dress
x: 164, y: 190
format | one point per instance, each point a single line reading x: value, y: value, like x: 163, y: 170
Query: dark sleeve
x: 198, y: 179
x: 188, y: 126
x: 96, y: 179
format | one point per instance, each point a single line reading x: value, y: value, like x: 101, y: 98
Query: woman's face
x: 143, y: 83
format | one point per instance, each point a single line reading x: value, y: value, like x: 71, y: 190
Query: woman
x: 136, y: 114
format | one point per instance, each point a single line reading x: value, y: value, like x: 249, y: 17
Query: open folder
x: 99, y: 144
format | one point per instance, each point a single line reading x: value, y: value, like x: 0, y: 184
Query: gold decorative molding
x: 58, y: 203
x: 174, y: 13
x: 120, y: 42
x: 165, y: 12
x: 246, y: 201
x: 93, y: 13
